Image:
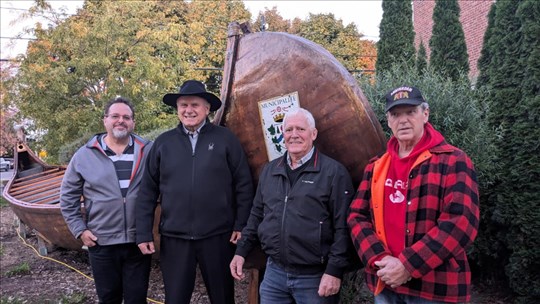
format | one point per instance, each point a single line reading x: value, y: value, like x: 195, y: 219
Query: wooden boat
x: 34, y: 195
x: 268, y: 73
x: 264, y: 71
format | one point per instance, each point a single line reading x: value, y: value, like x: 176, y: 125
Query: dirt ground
x: 47, y: 281
x: 25, y: 277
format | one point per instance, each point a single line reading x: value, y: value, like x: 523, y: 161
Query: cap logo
x: 408, y: 89
x: 401, y: 95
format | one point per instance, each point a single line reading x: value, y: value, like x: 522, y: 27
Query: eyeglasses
x: 117, y: 117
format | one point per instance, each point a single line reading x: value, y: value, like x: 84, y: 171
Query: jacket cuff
x: 144, y: 238
x: 242, y: 251
x: 334, y: 271
x: 377, y: 258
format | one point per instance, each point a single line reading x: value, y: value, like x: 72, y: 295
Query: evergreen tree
x: 396, y: 42
x: 448, y: 49
x: 485, y: 55
x: 421, y: 59
x: 511, y: 72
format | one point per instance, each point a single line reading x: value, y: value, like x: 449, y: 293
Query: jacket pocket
x: 106, y: 217
x: 305, y: 241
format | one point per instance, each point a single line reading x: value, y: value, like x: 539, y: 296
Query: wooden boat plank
x: 50, y: 199
x: 56, y: 181
x: 32, y: 198
x: 38, y: 178
x: 35, y: 190
x: 32, y: 176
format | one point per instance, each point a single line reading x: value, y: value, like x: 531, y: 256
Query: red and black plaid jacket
x: 441, y: 222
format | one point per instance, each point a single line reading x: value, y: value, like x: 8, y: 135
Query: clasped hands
x: 392, y: 272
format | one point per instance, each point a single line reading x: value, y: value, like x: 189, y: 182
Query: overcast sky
x: 365, y: 14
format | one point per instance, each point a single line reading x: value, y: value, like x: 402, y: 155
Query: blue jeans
x: 389, y: 297
x: 280, y: 287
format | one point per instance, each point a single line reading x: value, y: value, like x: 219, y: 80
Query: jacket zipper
x: 125, y: 219
x: 192, y: 184
x: 320, y: 240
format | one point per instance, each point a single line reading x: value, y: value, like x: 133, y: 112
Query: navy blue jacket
x: 302, y: 228
x: 203, y: 194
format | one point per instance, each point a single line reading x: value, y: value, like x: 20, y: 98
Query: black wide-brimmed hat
x: 193, y: 88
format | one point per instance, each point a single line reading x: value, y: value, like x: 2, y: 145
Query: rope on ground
x: 64, y: 264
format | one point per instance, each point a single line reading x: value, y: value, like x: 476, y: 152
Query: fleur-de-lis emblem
x: 210, y: 146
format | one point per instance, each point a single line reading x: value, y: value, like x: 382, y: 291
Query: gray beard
x: 120, y: 134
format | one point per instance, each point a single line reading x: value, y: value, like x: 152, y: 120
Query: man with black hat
x: 416, y: 211
x: 200, y: 173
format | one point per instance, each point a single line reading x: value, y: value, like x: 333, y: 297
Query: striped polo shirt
x: 123, y: 163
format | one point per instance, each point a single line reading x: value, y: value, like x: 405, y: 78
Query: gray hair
x: 424, y: 106
x: 300, y: 111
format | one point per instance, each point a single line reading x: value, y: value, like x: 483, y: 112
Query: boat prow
x: 34, y: 195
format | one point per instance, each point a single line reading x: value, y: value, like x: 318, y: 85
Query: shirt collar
x: 197, y: 131
x: 303, y: 160
x: 104, y: 145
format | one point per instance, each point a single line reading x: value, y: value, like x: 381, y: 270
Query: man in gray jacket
x: 104, y: 175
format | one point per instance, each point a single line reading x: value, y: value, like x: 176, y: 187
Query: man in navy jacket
x: 201, y: 175
x: 299, y: 218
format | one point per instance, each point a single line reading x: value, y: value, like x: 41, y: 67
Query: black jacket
x: 203, y: 194
x: 302, y: 228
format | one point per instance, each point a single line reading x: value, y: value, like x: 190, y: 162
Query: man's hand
x: 147, y: 247
x: 236, y: 266
x: 88, y: 238
x: 236, y: 235
x: 392, y: 272
x: 329, y: 285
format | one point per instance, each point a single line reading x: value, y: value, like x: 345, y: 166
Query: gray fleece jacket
x: 91, y: 176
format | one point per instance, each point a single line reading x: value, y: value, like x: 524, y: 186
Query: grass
x: 3, y: 202
x: 74, y: 298
x: 11, y: 300
x: 20, y: 269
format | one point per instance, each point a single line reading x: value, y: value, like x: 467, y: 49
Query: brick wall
x: 473, y: 18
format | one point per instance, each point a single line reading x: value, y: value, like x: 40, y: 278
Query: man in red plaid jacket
x: 416, y: 211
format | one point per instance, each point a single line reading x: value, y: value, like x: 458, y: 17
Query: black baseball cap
x: 403, y: 95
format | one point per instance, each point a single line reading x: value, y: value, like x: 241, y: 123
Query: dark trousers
x: 120, y: 271
x: 179, y: 259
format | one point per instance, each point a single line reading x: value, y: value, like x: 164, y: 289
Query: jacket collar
x: 204, y: 128
x: 94, y: 142
x: 313, y: 165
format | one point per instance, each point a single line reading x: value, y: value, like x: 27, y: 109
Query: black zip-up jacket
x: 203, y: 193
x: 302, y: 228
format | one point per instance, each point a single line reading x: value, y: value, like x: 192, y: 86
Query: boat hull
x: 268, y: 65
x: 34, y: 195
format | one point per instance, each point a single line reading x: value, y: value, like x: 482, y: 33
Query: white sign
x: 271, y: 112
